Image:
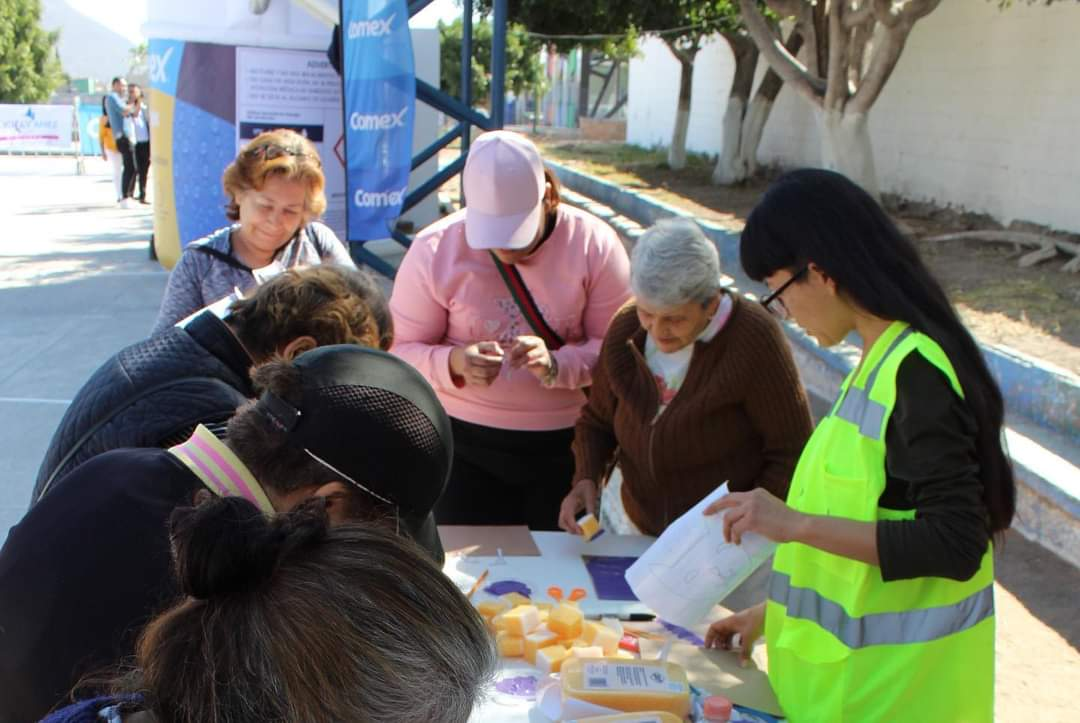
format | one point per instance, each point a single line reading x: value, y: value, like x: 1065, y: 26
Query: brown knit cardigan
x: 741, y: 415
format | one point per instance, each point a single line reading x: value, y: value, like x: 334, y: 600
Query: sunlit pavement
x: 76, y: 285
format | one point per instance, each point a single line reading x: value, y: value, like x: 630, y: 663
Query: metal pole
x: 498, y: 64
x: 466, y: 82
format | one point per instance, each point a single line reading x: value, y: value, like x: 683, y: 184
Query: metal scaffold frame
x: 459, y: 109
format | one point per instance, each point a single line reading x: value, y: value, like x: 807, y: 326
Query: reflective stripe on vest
x: 858, y: 408
x: 910, y: 626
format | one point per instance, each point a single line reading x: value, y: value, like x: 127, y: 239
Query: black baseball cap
x: 373, y: 418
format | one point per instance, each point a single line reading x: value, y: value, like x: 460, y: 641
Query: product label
x: 625, y: 677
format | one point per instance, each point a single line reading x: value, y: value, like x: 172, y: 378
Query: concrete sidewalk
x: 76, y: 285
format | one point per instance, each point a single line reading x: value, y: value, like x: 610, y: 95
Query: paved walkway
x: 76, y: 285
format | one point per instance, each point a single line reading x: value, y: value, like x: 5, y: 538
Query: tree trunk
x: 846, y: 147
x: 677, y: 149
x: 730, y: 166
x: 761, y: 106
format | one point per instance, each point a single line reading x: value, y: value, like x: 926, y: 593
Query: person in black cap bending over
x: 89, y: 565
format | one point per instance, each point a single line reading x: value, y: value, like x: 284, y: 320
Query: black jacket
x: 83, y: 571
x: 151, y: 394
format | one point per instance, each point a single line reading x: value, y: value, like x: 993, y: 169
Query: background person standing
x: 141, y: 126
x: 118, y: 111
x: 109, y: 151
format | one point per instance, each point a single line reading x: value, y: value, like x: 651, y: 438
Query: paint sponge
x: 590, y: 526
x: 534, y: 641
x: 565, y: 620
x: 490, y: 608
x: 520, y: 621
x: 627, y: 685
x: 510, y: 646
x: 602, y: 635
x: 550, y: 659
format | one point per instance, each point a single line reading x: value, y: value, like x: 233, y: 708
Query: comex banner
x: 36, y: 127
x: 380, y: 101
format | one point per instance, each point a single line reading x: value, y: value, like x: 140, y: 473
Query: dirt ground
x: 1035, y: 310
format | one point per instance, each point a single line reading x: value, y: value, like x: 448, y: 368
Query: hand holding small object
x: 477, y: 364
x: 756, y: 511
x: 583, y: 496
x: 738, y: 632
x: 532, y: 353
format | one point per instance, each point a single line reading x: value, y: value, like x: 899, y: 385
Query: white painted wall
x: 654, y: 94
x: 981, y: 113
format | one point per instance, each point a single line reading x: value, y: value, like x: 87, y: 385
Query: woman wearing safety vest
x: 880, y: 605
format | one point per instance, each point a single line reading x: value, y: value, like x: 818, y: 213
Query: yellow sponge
x: 535, y: 641
x: 565, y: 620
x: 520, y: 621
x: 550, y: 659
x: 510, y: 646
x: 491, y: 608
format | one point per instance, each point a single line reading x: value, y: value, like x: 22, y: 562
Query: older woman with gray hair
x: 694, y: 386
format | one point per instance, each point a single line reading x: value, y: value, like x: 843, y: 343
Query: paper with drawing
x: 690, y: 567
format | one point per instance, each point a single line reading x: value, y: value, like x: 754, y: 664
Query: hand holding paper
x: 692, y: 566
x: 755, y: 511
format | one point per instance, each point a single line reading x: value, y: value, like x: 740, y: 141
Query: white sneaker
x: 126, y: 203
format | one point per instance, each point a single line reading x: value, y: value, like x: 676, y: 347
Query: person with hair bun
x: 880, y: 605
x: 153, y: 393
x: 89, y: 565
x: 276, y: 191
x: 342, y: 623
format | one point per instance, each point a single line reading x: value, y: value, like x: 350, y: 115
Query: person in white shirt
x: 140, y: 128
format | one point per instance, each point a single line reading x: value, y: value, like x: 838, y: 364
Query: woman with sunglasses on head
x: 276, y: 191
x: 694, y: 386
x: 880, y: 605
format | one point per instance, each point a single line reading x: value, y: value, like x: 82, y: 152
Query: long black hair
x: 819, y: 216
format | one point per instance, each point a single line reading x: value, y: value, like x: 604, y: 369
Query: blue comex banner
x: 379, y: 102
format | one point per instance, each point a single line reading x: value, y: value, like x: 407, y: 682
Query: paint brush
x: 476, y: 585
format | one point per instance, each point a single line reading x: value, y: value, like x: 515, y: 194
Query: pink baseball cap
x: 504, y: 191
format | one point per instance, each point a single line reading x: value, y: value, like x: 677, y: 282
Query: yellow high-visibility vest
x: 843, y: 644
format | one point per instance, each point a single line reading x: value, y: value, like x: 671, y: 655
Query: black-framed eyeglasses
x: 270, y: 151
x: 347, y: 478
x: 772, y: 300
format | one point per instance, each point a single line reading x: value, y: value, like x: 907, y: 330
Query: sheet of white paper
x: 690, y: 567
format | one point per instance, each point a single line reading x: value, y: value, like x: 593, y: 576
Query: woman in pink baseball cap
x: 503, y: 307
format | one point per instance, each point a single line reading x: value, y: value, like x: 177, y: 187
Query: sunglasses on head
x: 270, y: 151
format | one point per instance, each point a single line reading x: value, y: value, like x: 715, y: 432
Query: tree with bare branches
x: 851, y: 49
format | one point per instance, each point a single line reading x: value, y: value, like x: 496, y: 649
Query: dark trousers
x: 127, y: 153
x: 507, y: 477
x: 142, y: 165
